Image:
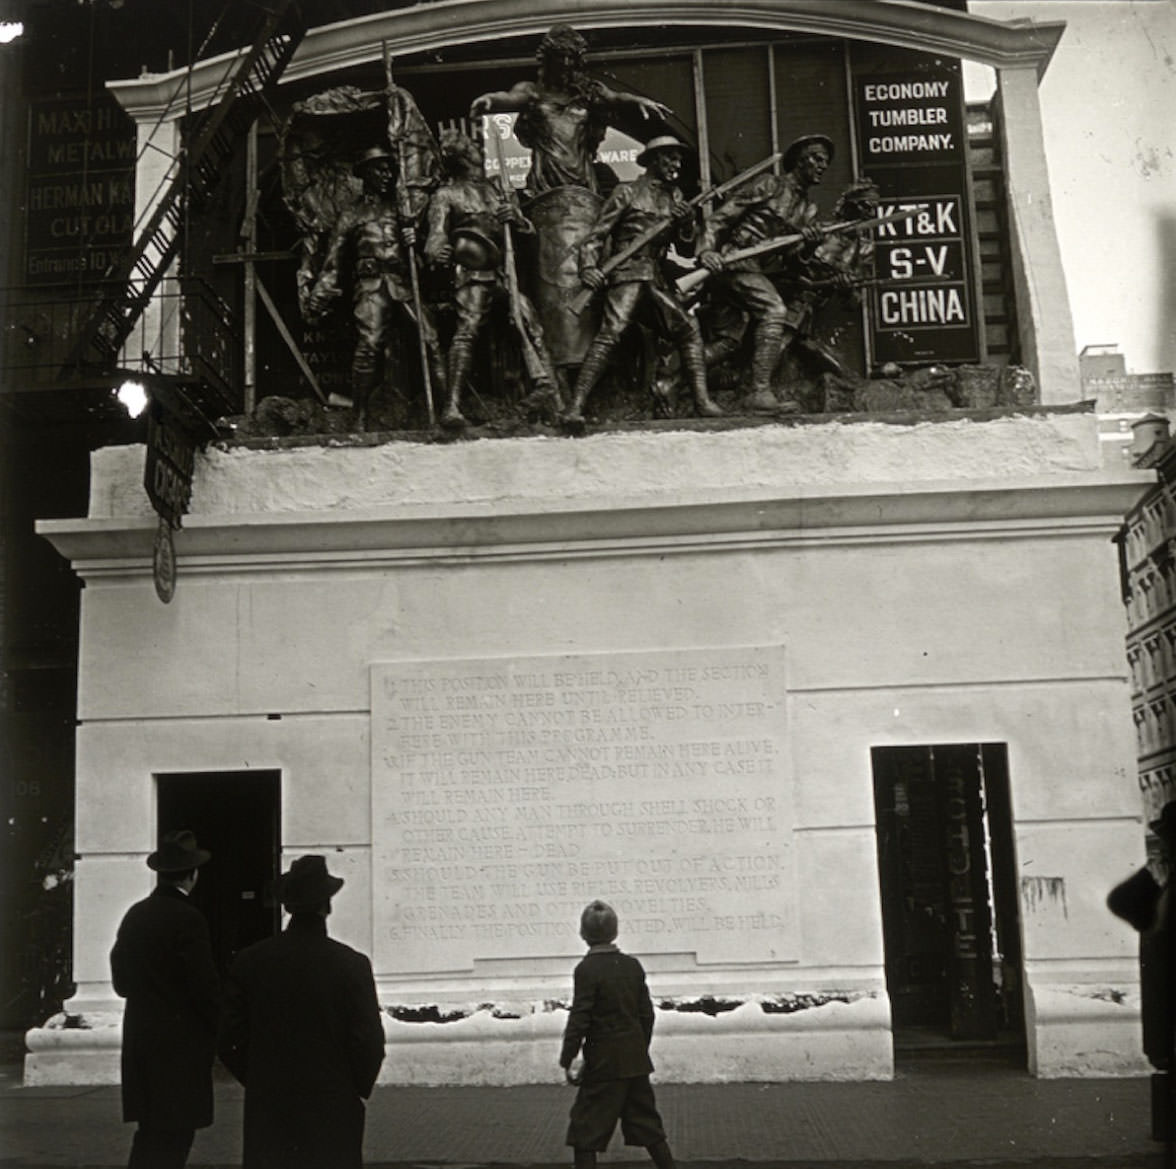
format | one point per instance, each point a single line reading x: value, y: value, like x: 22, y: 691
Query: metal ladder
x: 131, y: 283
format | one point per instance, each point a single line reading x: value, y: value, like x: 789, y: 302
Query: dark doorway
x: 235, y: 816
x: 949, y: 906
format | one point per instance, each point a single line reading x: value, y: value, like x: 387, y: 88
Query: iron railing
x: 189, y: 331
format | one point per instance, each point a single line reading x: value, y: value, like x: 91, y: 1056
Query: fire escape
x: 198, y: 378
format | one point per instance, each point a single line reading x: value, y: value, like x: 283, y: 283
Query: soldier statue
x: 840, y: 265
x: 775, y: 205
x: 630, y: 211
x: 466, y: 217
x: 371, y: 249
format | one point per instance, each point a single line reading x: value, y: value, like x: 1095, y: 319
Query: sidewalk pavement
x: 957, y: 1115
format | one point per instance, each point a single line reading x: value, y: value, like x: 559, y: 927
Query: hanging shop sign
x: 80, y: 190
x: 171, y: 456
x: 912, y: 142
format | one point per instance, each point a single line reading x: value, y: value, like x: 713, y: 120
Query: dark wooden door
x: 235, y: 816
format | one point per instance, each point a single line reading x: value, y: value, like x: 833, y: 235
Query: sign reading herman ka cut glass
x: 508, y: 792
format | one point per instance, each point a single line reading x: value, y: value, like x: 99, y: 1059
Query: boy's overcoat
x: 611, y: 1017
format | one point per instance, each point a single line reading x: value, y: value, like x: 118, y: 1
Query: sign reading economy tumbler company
x: 509, y: 792
x: 911, y: 141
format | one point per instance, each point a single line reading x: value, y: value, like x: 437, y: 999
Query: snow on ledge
x: 647, y: 467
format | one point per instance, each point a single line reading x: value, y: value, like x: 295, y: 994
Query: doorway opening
x: 235, y: 815
x: 950, y: 918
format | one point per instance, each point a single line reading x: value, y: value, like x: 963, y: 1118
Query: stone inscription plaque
x: 508, y: 792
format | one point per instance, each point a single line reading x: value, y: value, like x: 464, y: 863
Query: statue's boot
x: 439, y: 376
x: 461, y: 358
x: 591, y: 372
x: 722, y: 347
x: 769, y: 343
x: 544, y: 403
x: 694, y: 365
x: 363, y: 383
x: 584, y: 1159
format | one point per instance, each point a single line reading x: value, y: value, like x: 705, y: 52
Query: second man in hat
x: 302, y: 1031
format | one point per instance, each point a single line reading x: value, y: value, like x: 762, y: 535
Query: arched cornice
x: 428, y: 27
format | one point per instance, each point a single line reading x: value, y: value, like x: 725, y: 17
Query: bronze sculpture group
x: 578, y: 263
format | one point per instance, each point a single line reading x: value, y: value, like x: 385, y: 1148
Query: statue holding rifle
x: 840, y: 266
x: 470, y: 227
x: 650, y: 208
x: 775, y: 205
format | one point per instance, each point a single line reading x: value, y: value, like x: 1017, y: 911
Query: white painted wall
x: 976, y: 602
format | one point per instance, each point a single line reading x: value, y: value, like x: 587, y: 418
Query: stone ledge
x: 1084, y: 1029
x: 633, y: 469
x: 834, y: 1040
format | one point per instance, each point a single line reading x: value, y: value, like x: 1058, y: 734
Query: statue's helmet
x: 861, y: 195
x: 476, y: 243
x: 662, y: 142
x: 797, y: 147
x: 371, y: 155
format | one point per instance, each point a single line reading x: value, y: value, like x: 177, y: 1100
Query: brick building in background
x: 1120, y: 398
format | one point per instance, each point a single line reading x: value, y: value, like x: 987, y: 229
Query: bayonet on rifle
x: 583, y: 298
x: 692, y: 280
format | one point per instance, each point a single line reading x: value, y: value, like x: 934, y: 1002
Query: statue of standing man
x: 562, y: 117
x: 370, y: 250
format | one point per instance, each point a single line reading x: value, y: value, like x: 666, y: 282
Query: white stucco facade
x: 944, y: 582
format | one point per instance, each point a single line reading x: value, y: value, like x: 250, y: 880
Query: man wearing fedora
x: 629, y: 211
x: 774, y: 205
x: 466, y: 217
x: 301, y: 1030
x: 162, y: 964
x: 371, y: 248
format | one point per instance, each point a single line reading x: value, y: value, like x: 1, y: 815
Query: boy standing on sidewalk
x: 611, y: 1018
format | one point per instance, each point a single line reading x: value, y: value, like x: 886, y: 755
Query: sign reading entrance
x: 509, y: 792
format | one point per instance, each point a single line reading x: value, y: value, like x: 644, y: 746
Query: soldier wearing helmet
x: 775, y: 205
x: 370, y: 248
x: 629, y: 211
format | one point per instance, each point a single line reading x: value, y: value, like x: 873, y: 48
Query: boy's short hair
x: 598, y: 923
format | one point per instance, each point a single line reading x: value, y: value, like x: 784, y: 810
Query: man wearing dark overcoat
x: 162, y: 964
x: 301, y: 1030
x: 611, y: 1021
x: 1150, y: 906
